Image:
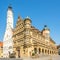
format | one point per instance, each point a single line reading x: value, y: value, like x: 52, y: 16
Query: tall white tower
x: 8, y: 41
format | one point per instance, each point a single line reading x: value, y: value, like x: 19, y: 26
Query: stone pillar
x: 41, y: 51
x: 49, y: 52
x: 16, y: 54
x: 29, y: 52
x: 44, y: 51
x: 37, y: 50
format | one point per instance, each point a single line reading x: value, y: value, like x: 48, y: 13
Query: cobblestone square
x: 44, y: 58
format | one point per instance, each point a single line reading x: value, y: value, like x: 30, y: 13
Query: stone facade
x: 29, y: 41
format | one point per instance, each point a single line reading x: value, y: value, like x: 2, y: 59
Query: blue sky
x: 41, y: 12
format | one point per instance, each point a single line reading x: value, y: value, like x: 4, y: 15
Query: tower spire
x: 10, y: 16
x: 8, y: 41
x: 10, y: 7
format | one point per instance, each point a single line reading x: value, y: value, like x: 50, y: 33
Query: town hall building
x: 25, y: 40
x: 29, y: 41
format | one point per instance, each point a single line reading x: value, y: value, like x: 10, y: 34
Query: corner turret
x: 46, y: 31
x: 27, y: 22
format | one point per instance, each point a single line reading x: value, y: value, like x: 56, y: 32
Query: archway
x: 45, y: 51
x: 39, y: 50
x: 42, y: 51
x: 48, y: 51
x: 35, y: 50
x: 18, y: 51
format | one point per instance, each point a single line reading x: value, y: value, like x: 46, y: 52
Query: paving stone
x: 29, y: 58
x: 10, y: 59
